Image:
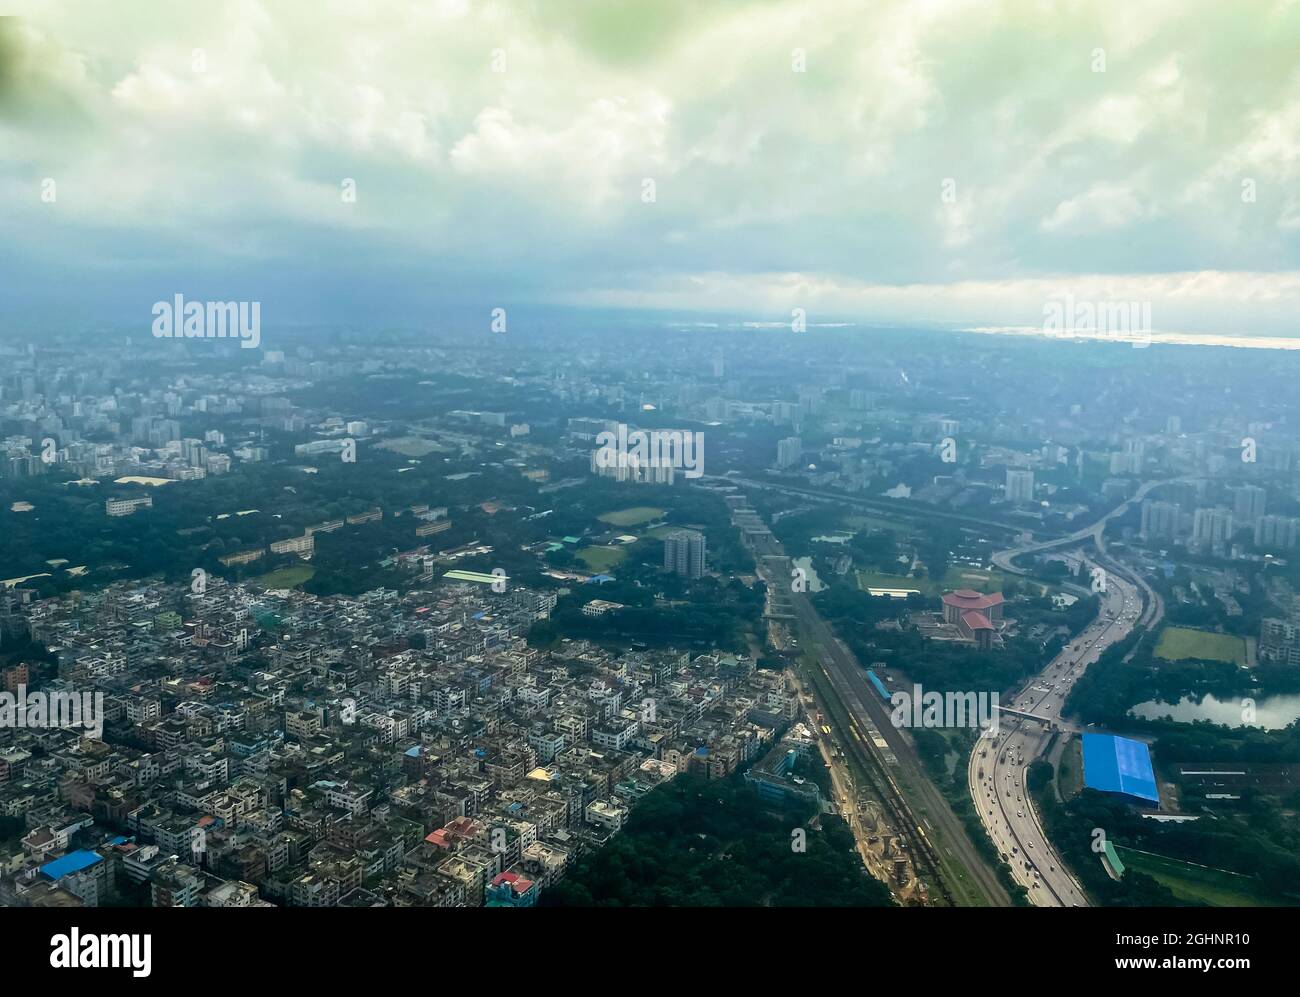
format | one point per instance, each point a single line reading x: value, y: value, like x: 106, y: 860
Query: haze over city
x: 610, y: 454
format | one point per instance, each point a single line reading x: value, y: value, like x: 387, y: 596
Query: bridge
x: 1045, y: 721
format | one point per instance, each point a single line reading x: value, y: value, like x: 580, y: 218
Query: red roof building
x: 974, y: 614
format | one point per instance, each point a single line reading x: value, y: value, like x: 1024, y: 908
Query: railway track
x: 836, y: 692
x: 881, y: 786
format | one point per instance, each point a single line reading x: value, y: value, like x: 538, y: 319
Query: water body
x: 1271, y: 712
x: 814, y: 583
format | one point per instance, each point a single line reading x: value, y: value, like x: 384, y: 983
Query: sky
x: 930, y: 163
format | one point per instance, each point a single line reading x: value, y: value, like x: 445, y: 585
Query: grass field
x: 634, y: 516
x: 601, y: 558
x: 1177, y: 643
x: 961, y: 576
x: 412, y: 446
x: 285, y: 578
x: 1069, y: 775
x: 1195, y: 882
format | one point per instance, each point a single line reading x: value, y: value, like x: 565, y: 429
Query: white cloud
x: 831, y: 173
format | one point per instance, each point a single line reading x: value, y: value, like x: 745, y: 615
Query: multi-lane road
x: 997, y: 770
x: 999, y: 763
x: 1095, y: 532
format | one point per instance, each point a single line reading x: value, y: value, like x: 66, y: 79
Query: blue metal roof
x: 70, y: 863
x: 880, y: 686
x: 1119, y: 765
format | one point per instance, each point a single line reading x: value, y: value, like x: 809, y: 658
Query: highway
x: 1094, y: 532
x: 998, y: 765
x: 997, y: 769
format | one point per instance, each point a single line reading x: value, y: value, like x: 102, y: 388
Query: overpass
x: 1095, y: 532
x: 1045, y: 721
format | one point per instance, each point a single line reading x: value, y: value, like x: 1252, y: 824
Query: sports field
x: 1177, y: 643
x: 960, y: 576
x: 601, y: 558
x: 285, y: 578
x: 634, y: 516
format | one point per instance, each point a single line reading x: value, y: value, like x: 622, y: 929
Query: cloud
x: 1107, y: 206
x: 508, y: 140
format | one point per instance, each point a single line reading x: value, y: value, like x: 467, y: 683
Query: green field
x: 601, y: 558
x: 632, y: 517
x: 959, y: 576
x: 412, y: 446
x: 1069, y: 774
x: 1200, y: 883
x: 285, y: 578
x: 1177, y: 643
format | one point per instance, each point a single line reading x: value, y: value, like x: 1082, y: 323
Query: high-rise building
x: 1248, y: 504
x: 1211, y: 526
x: 788, y: 451
x: 1130, y: 459
x: 1159, y: 520
x: 630, y: 468
x: 1277, y: 532
x: 684, y: 553
x: 1020, y: 485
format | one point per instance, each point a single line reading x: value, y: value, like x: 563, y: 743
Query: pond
x: 1271, y: 712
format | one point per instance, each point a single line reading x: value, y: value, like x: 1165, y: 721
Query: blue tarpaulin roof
x: 70, y: 863
x: 1119, y: 765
